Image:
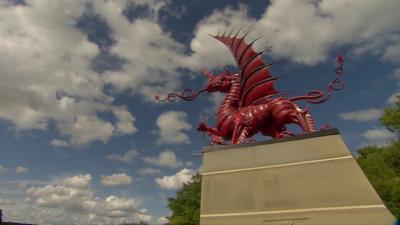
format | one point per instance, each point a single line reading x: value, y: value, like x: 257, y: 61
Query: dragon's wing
x: 256, y: 82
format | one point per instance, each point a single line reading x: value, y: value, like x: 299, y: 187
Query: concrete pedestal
x: 309, y: 179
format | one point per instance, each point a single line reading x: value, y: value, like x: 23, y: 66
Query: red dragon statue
x: 252, y: 104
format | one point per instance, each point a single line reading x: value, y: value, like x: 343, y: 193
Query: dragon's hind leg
x: 284, y: 112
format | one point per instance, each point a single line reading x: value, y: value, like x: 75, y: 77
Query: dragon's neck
x: 231, y: 100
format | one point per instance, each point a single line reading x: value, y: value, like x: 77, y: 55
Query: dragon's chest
x: 251, y: 116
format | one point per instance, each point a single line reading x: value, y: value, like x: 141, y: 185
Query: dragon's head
x: 221, y: 83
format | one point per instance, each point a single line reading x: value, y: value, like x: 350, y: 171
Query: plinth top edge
x: 327, y: 132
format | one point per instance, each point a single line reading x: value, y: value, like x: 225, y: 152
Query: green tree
x: 185, y: 206
x: 382, y: 164
x: 382, y: 167
x: 391, y: 117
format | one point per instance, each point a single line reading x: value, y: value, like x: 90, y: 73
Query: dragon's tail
x: 317, y: 96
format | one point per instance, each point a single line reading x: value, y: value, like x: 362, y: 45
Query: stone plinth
x: 309, y: 179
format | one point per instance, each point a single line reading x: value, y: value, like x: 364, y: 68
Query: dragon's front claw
x: 283, y: 134
x: 326, y: 127
x: 202, y: 127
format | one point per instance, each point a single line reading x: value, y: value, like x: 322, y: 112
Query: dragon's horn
x: 207, y: 73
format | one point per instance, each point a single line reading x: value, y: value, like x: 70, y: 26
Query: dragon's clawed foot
x: 283, y: 134
x: 326, y: 127
x: 202, y: 127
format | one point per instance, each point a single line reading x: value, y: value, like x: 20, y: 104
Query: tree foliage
x: 185, y: 206
x: 382, y: 167
x: 391, y: 117
x: 382, y: 164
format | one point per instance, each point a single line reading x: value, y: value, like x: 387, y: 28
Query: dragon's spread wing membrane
x: 256, y: 82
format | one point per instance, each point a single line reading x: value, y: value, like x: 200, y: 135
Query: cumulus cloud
x: 54, y: 81
x: 114, y: 203
x: 211, y: 53
x: 56, y: 196
x: 21, y: 169
x: 172, y: 126
x: 84, y: 129
x: 392, y: 53
x: 136, y: 42
x: 126, y: 157
x: 306, y: 31
x: 362, y: 115
x: 393, y: 98
x: 166, y: 158
x: 59, y: 143
x: 162, y: 220
x: 175, y: 181
x: 379, y: 136
x: 148, y: 171
x: 116, y: 180
x: 78, y: 181
x: 125, y: 121
x: 75, y: 195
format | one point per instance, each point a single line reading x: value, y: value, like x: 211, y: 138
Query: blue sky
x: 84, y: 142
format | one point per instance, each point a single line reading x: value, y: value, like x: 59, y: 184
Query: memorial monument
x: 307, y: 179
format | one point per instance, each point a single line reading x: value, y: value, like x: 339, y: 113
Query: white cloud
x: 59, y: 143
x: 312, y: 30
x: 125, y: 121
x: 379, y: 136
x: 148, y: 171
x: 116, y: 180
x: 172, y: 126
x: 166, y: 158
x: 78, y: 181
x: 143, y: 217
x: 126, y: 158
x: 162, y: 220
x: 175, y: 181
x: 362, y: 115
x: 79, y: 201
x: 392, y: 53
x: 54, y: 81
x: 115, y: 203
x: 21, y: 169
x: 61, y: 196
x: 85, y: 129
x: 208, y: 52
x: 137, y: 42
x: 393, y: 98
